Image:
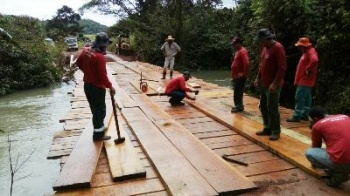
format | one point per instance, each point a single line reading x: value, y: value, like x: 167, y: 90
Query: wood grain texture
x: 123, y: 159
x: 176, y: 171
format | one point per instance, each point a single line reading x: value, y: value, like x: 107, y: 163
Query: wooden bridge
x: 178, y: 150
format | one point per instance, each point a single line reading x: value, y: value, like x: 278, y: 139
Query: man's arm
x: 281, y: 68
x: 316, y: 138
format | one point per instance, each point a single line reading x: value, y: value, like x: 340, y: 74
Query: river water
x: 30, y: 118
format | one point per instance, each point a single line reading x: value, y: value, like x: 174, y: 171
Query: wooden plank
x: 248, y: 127
x: 265, y: 167
x: 121, y: 97
x: 193, y: 85
x: 129, y: 188
x: 222, y: 177
x: 123, y: 160
x: 167, y: 159
x: 80, y: 166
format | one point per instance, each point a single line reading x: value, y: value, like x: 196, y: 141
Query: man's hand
x: 112, y: 91
x: 193, y: 98
x: 240, y: 74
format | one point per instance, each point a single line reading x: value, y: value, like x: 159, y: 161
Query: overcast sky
x: 46, y: 9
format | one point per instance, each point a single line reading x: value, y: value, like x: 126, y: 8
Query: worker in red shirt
x: 305, y: 79
x: 177, y: 89
x: 92, y: 63
x: 334, y: 131
x: 270, y: 78
x: 239, y: 73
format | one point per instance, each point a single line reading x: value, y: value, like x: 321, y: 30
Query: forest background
x: 203, y: 30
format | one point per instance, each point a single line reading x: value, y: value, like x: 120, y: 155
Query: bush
x: 26, y: 60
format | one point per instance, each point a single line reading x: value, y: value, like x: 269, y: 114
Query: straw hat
x: 169, y: 38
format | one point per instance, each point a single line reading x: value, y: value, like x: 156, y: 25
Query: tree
x: 65, y: 23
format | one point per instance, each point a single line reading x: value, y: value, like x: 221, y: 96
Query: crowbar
x: 234, y: 161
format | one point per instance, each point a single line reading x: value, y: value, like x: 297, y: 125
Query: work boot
x: 293, y: 119
x: 305, y: 118
x: 274, y: 137
x: 336, y: 179
x: 164, y: 74
x: 235, y: 110
x: 265, y: 131
x: 171, y: 74
x: 100, y: 136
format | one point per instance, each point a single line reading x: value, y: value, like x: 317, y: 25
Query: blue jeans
x: 176, y: 96
x: 319, y: 158
x: 303, y: 101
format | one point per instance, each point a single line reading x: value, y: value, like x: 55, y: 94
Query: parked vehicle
x: 72, y: 43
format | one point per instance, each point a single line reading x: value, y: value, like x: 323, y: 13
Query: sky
x: 47, y: 9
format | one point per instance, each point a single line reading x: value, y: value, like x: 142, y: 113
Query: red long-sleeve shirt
x: 308, y: 62
x: 273, y: 65
x: 240, y: 63
x: 93, y: 65
x: 334, y: 130
x: 178, y: 83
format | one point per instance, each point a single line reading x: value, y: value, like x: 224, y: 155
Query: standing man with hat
x: 177, y: 89
x: 239, y: 73
x: 270, y: 78
x: 93, y: 64
x: 169, y: 49
x: 305, y: 79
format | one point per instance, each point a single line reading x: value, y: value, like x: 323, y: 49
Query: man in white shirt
x: 169, y: 49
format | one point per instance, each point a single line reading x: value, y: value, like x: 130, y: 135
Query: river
x: 30, y: 118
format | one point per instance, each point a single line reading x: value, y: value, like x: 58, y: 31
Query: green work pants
x: 303, y: 101
x: 269, y: 110
x: 96, y: 98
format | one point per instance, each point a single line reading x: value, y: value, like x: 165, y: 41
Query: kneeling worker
x: 177, y: 89
x: 335, y: 158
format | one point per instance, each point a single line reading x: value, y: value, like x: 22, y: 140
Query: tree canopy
x: 204, y: 30
x: 65, y: 23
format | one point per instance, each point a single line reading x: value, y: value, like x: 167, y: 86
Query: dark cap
x: 236, y: 40
x: 264, y: 34
x: 101, y: 39
x: 187, y: 74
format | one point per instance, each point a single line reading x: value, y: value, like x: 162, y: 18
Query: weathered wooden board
x: 80, y: 166
x: 167, y: 159
x: 248, y: 127
x: 193, y: 85
x: 129, y: 188
x: 222, y: 177
x: 121, y: 97
x: 123, y: 159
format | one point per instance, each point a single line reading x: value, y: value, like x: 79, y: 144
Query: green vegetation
x: 204, y: 31
x: 26, y: 60
x: 92, y: 27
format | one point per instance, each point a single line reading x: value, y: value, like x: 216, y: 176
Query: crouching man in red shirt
x: 335, y: 158
x: 177, y: 89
